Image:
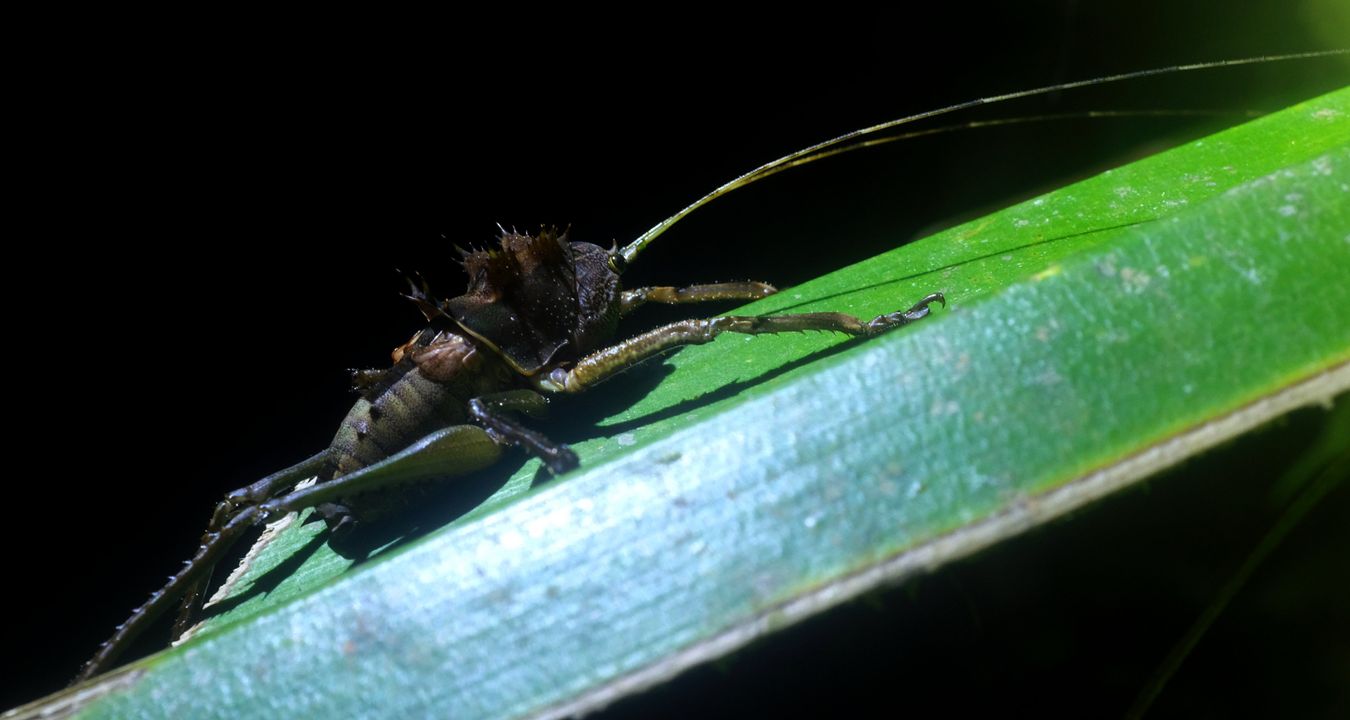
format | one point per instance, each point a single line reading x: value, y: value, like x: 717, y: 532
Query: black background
x: 212, y: 218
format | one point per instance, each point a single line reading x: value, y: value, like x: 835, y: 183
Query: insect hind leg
x: 214, y: 544
x: 456, y: 450
x: 190, y: 607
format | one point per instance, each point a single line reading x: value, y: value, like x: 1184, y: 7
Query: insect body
x: 537, y: 319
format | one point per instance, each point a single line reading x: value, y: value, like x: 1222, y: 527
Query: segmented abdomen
x: 409, y: 409
x: 427, y: 390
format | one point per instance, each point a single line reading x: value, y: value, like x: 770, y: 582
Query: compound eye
x: 617, y: 264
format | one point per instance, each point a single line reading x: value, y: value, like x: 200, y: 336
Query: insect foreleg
x: 600, y: 366
x: 488, y: 411
x: 637, y: 297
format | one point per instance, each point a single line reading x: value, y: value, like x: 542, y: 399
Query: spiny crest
x: 522, y: 298
x: 517, y: 256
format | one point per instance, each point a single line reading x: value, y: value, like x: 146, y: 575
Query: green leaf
x: 1092, y: 336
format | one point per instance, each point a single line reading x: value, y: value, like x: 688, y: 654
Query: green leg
x: 456, y: 450
x: 190, y: 607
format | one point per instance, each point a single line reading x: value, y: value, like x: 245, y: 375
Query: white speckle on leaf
x: 550, y: 522
x: 1021, y: 222
x: 511, y: 540
x: 914, y: 489
x: 1049, y: 378
x: 811, y: 520
x: 1288, y: 210
x: 941, y: 408
x: 1322, y: 165
x: 626, y: 439
x: 1326, y: 114
x: 1135, y: 280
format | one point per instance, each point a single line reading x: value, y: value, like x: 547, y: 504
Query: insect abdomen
x: 430, y: 391
x: 411, y: 408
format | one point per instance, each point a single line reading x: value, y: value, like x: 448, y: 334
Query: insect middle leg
x: 599, y: 366
x: 488, y: 411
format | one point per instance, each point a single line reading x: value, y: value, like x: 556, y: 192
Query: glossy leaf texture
x: 1092, y: 336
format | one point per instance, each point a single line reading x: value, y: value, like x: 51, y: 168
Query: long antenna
x: 996, y: 122
x: 625, y: 256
